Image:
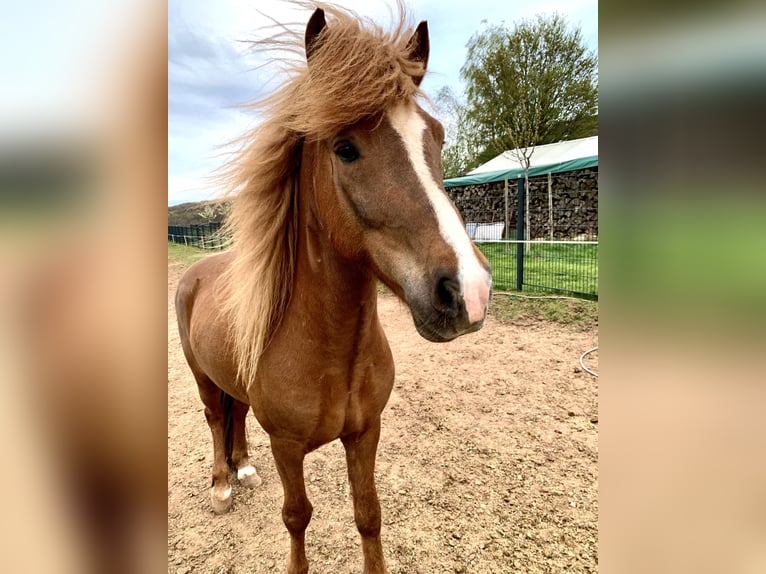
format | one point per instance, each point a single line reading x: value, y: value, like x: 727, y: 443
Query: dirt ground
x: 487, y: 463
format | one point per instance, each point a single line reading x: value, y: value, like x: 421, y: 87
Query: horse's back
x: 201, y: 326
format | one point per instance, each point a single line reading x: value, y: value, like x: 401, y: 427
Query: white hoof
x: 221, y: 499
x: 248, y: 477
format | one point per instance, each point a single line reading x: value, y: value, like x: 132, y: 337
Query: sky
x: 212, y: 71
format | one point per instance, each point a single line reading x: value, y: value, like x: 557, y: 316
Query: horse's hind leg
x: 239, y: 454
x: 360, y: 458
x: 215, y: 412
x: 296, y: 509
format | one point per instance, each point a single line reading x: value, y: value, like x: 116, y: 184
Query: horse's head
x: 382, y: 188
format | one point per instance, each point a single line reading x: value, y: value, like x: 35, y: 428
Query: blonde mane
x: 357, y: 71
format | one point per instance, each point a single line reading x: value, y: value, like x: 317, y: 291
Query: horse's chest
x: 318, y: 406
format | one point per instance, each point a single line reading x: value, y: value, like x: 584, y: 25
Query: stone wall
x: 574, y: 204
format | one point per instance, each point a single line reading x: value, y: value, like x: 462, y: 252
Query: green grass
x: 185, y: 256
x: 579, y: 313
x: 568, y: 268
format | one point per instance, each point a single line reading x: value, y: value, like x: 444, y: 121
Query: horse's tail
x: 227, y: 402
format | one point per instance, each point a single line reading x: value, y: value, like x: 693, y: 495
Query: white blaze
x: 474, y: 279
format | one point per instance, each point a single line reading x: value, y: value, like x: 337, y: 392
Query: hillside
x: 198, y: 212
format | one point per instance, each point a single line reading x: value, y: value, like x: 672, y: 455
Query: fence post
x: 520, y: 235
x: 550, y: 206
x: 506, y: 232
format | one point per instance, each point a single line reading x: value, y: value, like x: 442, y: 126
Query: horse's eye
x: 347, y: 153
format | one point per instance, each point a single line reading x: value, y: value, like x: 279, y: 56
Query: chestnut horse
x: 340, y: 187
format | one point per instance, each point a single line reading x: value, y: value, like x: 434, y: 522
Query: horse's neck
x: 320, y: 268
x: 340, y: 293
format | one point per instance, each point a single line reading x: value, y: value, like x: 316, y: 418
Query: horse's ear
x: 417, y: 49
x: 315, y: 26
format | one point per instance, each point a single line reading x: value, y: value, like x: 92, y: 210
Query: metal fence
x: 559, y: 252
x: 560, y: 266
x: 204, y: 236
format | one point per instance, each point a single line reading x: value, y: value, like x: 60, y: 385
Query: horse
x: 339, y: 188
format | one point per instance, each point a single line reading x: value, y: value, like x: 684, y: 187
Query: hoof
x: 248, y: 477
x: 221, y: 499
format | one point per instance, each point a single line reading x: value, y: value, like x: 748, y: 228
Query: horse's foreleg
x: 296, y: 510
x: 360, y: 457
x: 239, y: 456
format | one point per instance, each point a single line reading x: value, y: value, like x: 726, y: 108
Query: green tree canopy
x: 459, y: 148
x: 532, y: 85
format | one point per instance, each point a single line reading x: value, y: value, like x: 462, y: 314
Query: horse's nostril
x: 448, y: 294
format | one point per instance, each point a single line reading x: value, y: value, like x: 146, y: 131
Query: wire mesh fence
x: 544, y: 238
x: 559, y: 266
x: 203, y: 236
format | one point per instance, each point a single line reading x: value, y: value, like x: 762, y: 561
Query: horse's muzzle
x: 452, y: 307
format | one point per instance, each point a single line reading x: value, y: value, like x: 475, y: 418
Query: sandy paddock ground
x: 487, y: 463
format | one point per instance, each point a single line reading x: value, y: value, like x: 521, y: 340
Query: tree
x: 532, y: 85
x: 459, y: 149
x: 215, y: 211
x: 208, y: 213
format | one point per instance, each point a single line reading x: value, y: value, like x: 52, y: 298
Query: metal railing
x: 560, y: 266
x: 203, y: 236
